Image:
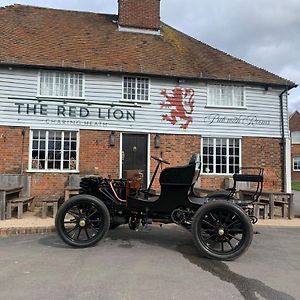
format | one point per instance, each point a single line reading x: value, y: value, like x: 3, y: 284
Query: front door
x: 135, y: 154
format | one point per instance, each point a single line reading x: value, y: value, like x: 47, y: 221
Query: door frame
x: 148, y: 153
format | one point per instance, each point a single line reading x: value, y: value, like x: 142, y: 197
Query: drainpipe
x: 283, y: 156
x: 22, y: 152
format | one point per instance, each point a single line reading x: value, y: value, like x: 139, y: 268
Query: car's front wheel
x: 82, y: 221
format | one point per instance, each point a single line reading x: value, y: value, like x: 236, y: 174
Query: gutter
x: 283, y: 139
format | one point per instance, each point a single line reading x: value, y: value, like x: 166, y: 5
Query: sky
x: 265, y: 33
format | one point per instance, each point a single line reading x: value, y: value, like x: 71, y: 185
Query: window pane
x: 220, y: 155
x: 297, y: 164
x: 225, y: 95
x: 136, y: 88
x: 59, y: 84
x: 295, y: 137
x: 47, y: 152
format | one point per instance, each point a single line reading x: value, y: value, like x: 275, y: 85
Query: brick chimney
x: 140, y: 14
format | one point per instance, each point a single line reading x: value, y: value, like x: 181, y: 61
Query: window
x: 61, y: 85
x: 296, y: 163
x: 220, y: 155
x: 295, y: 135
x: 136, y: 89
x: 54, y: 150
x: 225, y: 96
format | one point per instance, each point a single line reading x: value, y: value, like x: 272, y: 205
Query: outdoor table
x: 4, y: 192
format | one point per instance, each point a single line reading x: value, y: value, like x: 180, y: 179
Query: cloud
x: 265, y: 33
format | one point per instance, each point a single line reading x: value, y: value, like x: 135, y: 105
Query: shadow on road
x: 177, y: 239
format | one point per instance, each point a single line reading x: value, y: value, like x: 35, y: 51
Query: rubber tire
x: 70, y: 203
x: 229, y: 206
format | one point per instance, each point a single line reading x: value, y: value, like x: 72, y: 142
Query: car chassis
x: 220, y: 223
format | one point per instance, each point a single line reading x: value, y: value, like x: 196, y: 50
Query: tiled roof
x: 89, y: 41
x: 294, y: 122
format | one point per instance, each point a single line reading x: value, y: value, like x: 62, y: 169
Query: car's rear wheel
x: 221, y: 230
x: 82, y: 221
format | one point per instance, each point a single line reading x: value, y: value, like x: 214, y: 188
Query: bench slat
x: 20, y: 199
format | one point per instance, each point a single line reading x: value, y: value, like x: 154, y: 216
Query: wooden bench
x: 268, y: 201
x: 19, y: 202
x: 9, y: 199
x: 71, y: 191
x: 50, y: 201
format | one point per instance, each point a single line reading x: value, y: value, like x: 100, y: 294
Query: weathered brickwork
x: 266, y: 153
x: 212, y: 182
x: 139, y: 14
x: 99, y: 158
x: 48, y: 184
x: 14, y: 149
x: 177, y: 149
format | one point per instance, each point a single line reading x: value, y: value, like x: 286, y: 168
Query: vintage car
x: 220, y: 223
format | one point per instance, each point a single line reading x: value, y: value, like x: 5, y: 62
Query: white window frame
x: 208, y: 100
x: 296, y: 170
x: 46, y: 170
x: 39, y: 95
x: 214, y: 155
x: 292, y: 138
x: 135, y: 100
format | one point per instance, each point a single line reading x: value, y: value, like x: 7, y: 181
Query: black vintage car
x: 220, y: 223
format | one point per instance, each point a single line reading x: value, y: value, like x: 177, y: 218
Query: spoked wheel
x: 221, y: 230
x: 82, y: 221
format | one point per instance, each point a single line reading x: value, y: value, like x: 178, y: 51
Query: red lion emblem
x: 179, y: 101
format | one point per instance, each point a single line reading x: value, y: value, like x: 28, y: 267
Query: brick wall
x: 140, y: 14
x: 97, y: 156
x: 266, y: 153
x: 177, y: 149
x: 13, y: 149
x: 212, y: 182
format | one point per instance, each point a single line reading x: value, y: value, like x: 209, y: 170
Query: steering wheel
x: 160, y: 160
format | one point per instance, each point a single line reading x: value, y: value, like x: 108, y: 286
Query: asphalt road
x: 159, y: 264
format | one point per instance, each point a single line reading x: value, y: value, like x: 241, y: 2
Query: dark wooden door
x: 135, y: 153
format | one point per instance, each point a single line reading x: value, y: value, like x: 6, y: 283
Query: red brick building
x: 295, y: 149
x: 88, y: 93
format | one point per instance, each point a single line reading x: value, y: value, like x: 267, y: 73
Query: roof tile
x: 90, y: 41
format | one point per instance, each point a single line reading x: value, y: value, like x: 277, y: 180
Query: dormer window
x: 61, y: 85
x: 136, y: 89
x: 226, y: 96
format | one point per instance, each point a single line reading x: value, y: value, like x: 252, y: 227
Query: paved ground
x: 159, y: 264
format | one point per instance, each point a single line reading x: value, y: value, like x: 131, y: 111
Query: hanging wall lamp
x: 157, y: 141
x: 112, y: 138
